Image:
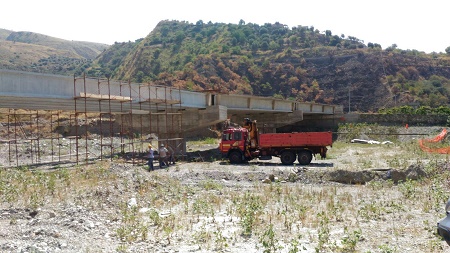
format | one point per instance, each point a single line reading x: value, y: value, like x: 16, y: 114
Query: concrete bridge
x: 35, y: 91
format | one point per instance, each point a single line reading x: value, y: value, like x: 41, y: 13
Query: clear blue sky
x: 420, y: 25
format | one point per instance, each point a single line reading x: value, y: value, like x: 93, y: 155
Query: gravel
x: 90, y: 217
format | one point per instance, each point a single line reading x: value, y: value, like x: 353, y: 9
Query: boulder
x: 414, y: 172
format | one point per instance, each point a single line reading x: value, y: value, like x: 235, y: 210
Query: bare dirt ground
x: 362, y: 198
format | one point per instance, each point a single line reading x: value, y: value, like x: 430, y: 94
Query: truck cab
x: 234, y: 143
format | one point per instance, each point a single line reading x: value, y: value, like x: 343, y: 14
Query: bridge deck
x: 36, y: 91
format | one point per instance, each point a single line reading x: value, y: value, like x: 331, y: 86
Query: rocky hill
x: 35, y: 52
x: 299, y: 63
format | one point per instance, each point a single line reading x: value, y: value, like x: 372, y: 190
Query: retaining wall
x: 331, y: 123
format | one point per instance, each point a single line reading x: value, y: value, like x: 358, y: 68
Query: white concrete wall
x: 26, y: 84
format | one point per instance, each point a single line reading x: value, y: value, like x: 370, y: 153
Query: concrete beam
x: 269, y: 104
x: 269, y: 120
x: 56, y: 92
x: 199, y: 118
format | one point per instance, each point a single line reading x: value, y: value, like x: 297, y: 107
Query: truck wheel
x: 235, y: 157
x: 287, y: 157
x: 304, y: 157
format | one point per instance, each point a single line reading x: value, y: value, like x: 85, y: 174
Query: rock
x: 350, y: 177
x: 132, y: 202
x: 267, y: 181
x: 33, y: 213
x: 51, y: 214
x: 292, y: 177
x: 90, y: 224
x: 414, y: 172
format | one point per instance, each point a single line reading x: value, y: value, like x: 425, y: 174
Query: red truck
x: 241, y: 144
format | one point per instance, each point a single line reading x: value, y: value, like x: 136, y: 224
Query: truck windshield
x: 227, y: 136
x: 237, y: 136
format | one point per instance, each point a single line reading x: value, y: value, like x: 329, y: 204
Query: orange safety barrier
x: 438, y: 138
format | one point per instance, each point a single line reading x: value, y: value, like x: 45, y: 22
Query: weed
x: 295, y: 245
x: 386, y: 249
x: 394, y: 163
x: 408, y: 189
x: 435, y: 245
x: 64, y: 175
x: 335, y: 208
x: 122, y: 248
x: 132, y: 228
x: 371, y: 210
x: 438, y: 194
x: 221, y: 241
x: 202, y: 236
x: 323, y: 232
x: 23, y: 168
x: 366, y: 163
x: 155, y: 218
x: 268, y: 241
x: 211, y: 185
x: 350, y: 240
x: 249, y: 208
x: 375, y: 185
x: 302, y: 211
x: 168, y: 226
x: 202, y: 206
x: 51, y: 184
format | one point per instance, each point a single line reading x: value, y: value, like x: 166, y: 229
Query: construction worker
x: 163, y: 156
x: 171, y: 155
x: 150, y: 157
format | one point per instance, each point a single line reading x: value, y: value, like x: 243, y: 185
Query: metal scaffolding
x: 110, y: 120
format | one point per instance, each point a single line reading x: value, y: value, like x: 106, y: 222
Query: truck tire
x: 287, y: 157
x: 235, y: 157
x: 304, y: 157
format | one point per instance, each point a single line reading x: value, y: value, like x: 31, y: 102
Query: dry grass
x: 218, y: 216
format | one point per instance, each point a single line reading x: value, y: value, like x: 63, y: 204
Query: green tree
x: 254, y: 46
x: 273, y: 45
x: 225, y: 49
x: 264, y: 45
x: 293, y: 40
x: 334, y: 41
x: 263, y: 30
x: 179, y: 36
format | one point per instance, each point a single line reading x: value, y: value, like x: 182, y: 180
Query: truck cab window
x: 227, y: 136
x: 237, y: 136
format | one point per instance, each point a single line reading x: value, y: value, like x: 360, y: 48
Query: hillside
x: 30, y: 51
x: 4, y: 34
x: 298, y: 63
